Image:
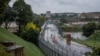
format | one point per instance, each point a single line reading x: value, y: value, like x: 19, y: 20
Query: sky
x: 60, y: 6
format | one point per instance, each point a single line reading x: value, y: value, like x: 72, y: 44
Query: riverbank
x: 92, y: 41
x: 75, y: 35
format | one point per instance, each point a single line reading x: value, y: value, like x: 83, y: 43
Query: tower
x: 48, y: 14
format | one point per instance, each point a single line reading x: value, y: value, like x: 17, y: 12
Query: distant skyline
x: 60, y: 6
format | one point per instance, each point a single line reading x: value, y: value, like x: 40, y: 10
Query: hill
x: 93, y: 40
x: 29, y: 48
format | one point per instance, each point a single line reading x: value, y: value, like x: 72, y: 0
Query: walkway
x: 50, y: 34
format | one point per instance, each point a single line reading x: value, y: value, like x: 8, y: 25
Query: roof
x: 90, y: 15
x: 13, y: 47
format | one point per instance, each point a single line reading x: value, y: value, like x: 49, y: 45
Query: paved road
x: 51, y: 35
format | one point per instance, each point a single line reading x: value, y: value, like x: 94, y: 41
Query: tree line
x: 28, y: 22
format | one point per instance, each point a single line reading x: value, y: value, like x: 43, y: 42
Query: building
x: 12, y: 26
x: 48, y: 14
x: 12, y: 48
x: 91, y: 16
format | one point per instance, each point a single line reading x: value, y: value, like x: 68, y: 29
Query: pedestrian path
x: 52, y: 36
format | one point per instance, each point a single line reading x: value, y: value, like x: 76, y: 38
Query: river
x: 76, y: 35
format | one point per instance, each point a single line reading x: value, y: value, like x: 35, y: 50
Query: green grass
x: 92, y: 41
x: 3, y: 52
x: 29, y: 48
x: 71, y: 28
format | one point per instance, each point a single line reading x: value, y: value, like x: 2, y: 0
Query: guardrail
x: 56, y: 50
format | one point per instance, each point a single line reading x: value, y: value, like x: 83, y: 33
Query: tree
x: 39, y: 20
x: 63, y: 20
x: 98, y: 27
x: 89, y: 29
x: 24, y: 13
x: 8, y: 16
x: 31, y: 36
x: 31, y: 33
x: 3, y: 4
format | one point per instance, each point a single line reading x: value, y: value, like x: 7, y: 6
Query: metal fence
x: 56, y: 50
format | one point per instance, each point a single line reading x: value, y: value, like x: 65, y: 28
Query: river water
x: 76, y: 35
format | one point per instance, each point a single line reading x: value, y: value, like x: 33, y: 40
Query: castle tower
x: 48, y: 14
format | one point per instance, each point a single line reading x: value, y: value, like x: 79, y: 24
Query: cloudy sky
x: 41, y: 6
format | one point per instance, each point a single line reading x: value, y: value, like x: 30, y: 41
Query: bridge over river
x: 52, y: 44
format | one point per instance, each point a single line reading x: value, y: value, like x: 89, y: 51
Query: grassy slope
x: 29, y: 48
x: 3, y: 52
x: 92, y: 41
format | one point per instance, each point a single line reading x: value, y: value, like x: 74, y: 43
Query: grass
x: 92, y: 41
x: 71, y: 28
x: 29, y: 48
x: 3, y: 52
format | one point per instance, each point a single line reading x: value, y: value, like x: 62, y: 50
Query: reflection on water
x: 76, y: 35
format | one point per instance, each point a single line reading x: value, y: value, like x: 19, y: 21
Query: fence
x: 56, y: 50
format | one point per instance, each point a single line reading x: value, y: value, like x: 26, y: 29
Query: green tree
x: 89, y: 29
x: 3, y: 4
x: 31, y: 33
x: 39, y: 20
x: 63, y: 20
x: 31, y: 36
x: 8, y: 16
x: 98, y: 27
x: 24, y: 13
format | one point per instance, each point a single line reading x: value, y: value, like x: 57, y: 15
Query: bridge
x: 52, y: 43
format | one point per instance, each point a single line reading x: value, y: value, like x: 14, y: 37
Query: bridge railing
x: 56, y: 50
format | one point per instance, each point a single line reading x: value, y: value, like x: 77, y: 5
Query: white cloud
x: 41, y: 6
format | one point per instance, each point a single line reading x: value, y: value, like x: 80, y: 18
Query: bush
x: 71, y: 28
x: 30, y: 33
x: 89, y: 29
x: 31, y: 36
x: 96, y: 52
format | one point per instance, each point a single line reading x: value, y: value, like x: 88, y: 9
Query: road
x: 51, y: 35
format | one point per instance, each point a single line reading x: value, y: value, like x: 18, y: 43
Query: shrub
x: 30, y: 33
x: 88, y: 29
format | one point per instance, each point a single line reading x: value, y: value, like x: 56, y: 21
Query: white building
x: 12, y: 26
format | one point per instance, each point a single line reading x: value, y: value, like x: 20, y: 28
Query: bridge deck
x: 51, y: 35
